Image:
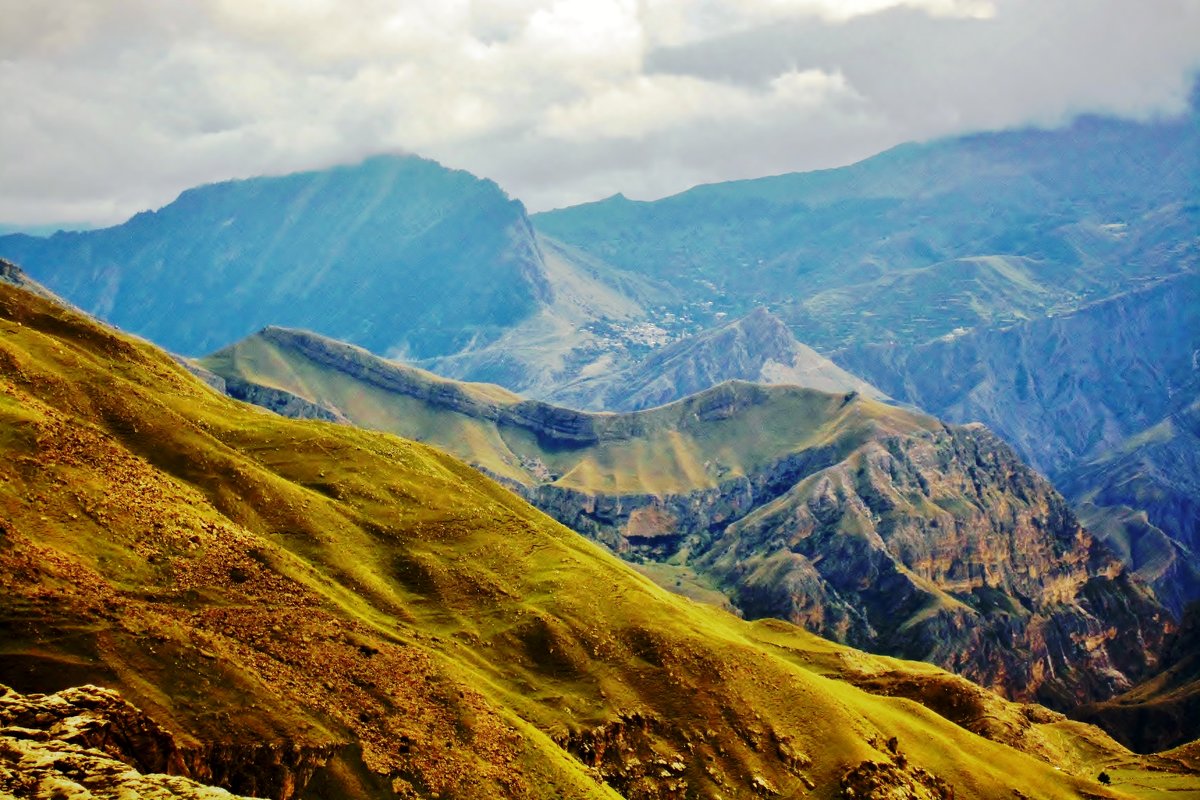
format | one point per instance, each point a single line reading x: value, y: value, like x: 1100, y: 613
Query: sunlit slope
x: 870, y: 524
x: 280, y: 591
x: 730, y: 431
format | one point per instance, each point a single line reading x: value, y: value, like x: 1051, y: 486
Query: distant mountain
x: 397, y: 253
x: 866, y: 523
x: 757, y: 348
x: 1102, y: 399
x: 1043, y: 282
x: 300, y: 609
x: 921, y: 240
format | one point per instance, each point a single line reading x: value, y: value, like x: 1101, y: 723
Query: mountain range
x: 731, y: 388
x: 293, y: 608
x: 864, y: 522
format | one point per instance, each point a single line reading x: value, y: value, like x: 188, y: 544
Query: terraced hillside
x: 861, y: 521
x: 315, y: 610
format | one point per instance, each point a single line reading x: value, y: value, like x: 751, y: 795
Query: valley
x: 864, y: 522
x: 311, y: 609
x: 876, y: 481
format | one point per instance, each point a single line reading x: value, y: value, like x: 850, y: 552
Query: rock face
x: 92, y: 738
x: 758, y: 348
x: 1163, y: 711
x: 1102, y: 399
x: 942, y: 548
x: 397, y: 253
x: 863, y: 522
x: 88, y: 742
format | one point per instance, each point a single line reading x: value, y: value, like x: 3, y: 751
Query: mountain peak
x: 397, y: 254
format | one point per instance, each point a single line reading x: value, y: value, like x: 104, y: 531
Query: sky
x: 115, y: 106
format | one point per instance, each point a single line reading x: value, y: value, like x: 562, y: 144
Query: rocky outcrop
x: 278, y: 400
x: 92, y: 737
x: 880, y: 780
x: 88, y: 742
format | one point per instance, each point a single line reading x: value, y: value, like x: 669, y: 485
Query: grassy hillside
x: 693, y: 444
x: 277, y: 591
x: 864, y: 522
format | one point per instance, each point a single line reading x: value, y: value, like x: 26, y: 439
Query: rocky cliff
x: 1102, y: 399
x: 865, y: 522
x: 88, y: 742
x: 1162, y: 711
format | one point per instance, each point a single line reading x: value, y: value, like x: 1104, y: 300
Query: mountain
x: 864, y: 522
x: 757, y: 348
x: 1102, y: 399
x: 396, y: 253
x: 1043, y: 282
x: 1164, y: 710
x: 980, y: 230
x: 313, y: 610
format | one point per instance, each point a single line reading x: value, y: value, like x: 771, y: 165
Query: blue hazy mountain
x: 397, y: 254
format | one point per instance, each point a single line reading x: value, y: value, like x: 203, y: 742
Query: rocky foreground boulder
x: 88, y: 742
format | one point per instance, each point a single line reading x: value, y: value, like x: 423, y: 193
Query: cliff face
x: 1162, y: 711
x: 864, y: 522
x: 88, y: 741
x: 943, y: 548
x: 1102, y: 400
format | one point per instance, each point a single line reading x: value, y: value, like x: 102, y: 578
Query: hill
x: 314, y: 610
x: 864, y: 522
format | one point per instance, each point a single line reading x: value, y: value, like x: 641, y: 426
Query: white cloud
x: 116, y: 106
x: 648, y: 104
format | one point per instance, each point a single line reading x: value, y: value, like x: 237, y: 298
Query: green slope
x: 276, y: 592
x: 693, y: 444
x: 864, y: 522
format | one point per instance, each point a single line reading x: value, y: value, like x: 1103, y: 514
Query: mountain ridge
x: 377, y: 612
x: 820, y: 488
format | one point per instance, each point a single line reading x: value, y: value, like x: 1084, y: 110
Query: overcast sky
x: 113, y: 106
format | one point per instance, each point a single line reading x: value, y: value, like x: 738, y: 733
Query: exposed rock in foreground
x: 88, y: 742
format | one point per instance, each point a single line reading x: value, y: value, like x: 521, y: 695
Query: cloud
x: 117, y: 106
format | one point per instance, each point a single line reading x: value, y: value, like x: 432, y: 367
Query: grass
x: 688, y: 445
x: 248, y: 578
